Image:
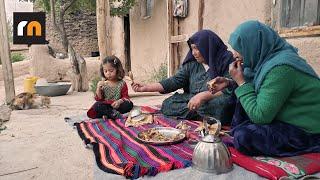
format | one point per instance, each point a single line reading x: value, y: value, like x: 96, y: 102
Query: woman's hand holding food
x: 236, y: 72
x: 218, y: 84
x: 138, y: 87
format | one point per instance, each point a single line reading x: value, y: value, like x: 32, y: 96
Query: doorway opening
x: 126, y: 21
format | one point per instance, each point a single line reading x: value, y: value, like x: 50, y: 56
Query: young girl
x: 111, y: 95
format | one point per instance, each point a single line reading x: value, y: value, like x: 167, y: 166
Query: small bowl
x: 53, y: 89
x: 135, y: 112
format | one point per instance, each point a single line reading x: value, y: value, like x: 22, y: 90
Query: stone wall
x: 81, y: 30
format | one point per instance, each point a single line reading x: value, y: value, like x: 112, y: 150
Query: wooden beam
x: 5, y: 56
x: 170, y: 33
x: 103, y: 27
x: 173, y: 39
x: 200, y: 14
x: 300, y: 32
x: 177, y: 47
x: 179, y: 38
x: 108, y: 27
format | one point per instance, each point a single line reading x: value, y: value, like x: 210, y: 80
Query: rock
x: 60, y: 55
x: 5, y: 113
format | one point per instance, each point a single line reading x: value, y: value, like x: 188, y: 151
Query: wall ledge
x: 304, y: 31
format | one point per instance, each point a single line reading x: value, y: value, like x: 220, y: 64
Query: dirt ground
x: 39, y: 144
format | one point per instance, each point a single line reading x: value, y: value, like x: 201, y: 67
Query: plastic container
x: 28, y: 84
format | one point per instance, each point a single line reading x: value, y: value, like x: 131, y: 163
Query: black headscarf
x: 213, y: 50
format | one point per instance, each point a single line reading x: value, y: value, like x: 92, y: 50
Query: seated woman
x: 207, y: 58
x: 278, y: 93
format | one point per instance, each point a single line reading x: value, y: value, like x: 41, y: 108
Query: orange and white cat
x: 27, y: 100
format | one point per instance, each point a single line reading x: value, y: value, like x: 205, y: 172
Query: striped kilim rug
x: 118, y: 151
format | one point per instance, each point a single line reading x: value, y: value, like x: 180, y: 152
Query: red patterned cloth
x: 275, y: 168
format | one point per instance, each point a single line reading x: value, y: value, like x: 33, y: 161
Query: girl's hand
x: 117, y: 103
x: 236, y: 72
x: 138, y: 87
x: 195, y: 102
x: 100, y: 84
x: 99, y: 94
x: 218, y: 84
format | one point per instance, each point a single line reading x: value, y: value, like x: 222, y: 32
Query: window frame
x: 146, y: 8
x: 300, y: 31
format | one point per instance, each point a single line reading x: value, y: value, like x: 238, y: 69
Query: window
x: 146, y: 8
x: 294, y: 18
x: 296, y: 13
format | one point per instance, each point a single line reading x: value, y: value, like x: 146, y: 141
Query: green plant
x: 121, y: 7
x: 159, y: 74
x: 94, y: 82
x: 16, y: 57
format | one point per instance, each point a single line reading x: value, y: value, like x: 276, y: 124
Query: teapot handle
x: 206, y: 118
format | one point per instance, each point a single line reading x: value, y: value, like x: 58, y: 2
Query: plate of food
x: 161, y: 136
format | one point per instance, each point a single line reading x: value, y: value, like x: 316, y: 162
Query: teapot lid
x: 210, y: 139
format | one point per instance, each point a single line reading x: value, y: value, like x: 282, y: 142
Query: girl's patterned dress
x: 111, y: 94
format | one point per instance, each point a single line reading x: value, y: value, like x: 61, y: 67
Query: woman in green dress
x: 207, y: 58
x: 278, y: 109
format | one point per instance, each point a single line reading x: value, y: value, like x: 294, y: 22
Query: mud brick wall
x: 81, y: 27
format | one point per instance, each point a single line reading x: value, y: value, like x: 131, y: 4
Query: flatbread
x: 211, y: 84
x: 135, y: 122
x: 130, y: 76
x: 183, y: 126
x: 212, y: 128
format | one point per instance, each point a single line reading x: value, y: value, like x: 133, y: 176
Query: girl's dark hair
x: 116, y: 63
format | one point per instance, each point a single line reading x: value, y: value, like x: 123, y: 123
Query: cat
x: 27, y: 100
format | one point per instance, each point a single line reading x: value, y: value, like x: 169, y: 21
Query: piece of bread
x: 212, y: 128
x: 211, y: 84
x: 130, y: 76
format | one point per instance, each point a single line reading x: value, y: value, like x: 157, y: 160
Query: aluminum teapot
x: 211, y: 154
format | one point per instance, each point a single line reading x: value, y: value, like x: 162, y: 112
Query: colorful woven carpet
x: 118, y: 151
